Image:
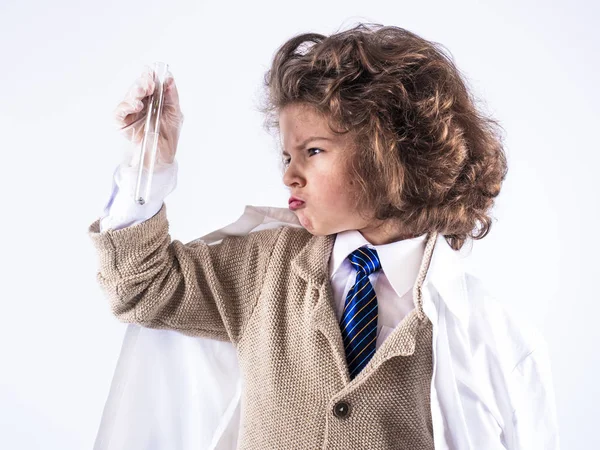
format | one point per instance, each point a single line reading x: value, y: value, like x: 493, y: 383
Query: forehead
x: 299, y: 123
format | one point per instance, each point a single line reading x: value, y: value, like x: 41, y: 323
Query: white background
x: 65, y: 67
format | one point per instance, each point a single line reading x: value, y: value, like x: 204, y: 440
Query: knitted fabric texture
x: 269, y: 294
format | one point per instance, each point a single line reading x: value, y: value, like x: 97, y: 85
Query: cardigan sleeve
x: 196, y: 288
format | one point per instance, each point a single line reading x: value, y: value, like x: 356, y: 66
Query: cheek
x: 331, y: 195
x: 331, y: 191
x: 338, y: 193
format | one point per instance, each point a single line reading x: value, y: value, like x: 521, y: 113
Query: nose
x: 291, y: 176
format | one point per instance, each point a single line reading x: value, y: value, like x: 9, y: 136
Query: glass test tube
x: 149, y: 146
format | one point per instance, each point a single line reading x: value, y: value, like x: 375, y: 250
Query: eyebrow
x: 306, y: 141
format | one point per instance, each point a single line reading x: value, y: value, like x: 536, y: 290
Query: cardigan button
x: 341, y: 409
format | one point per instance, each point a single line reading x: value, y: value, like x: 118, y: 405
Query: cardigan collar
x: 445, y: 272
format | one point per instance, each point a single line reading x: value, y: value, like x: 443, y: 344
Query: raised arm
x: 196, y: 288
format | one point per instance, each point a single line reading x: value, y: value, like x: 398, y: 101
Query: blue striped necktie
x: 359, y: 318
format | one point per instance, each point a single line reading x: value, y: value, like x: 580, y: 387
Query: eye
x: 287, y: 161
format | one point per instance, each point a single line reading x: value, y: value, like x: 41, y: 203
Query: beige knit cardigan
x: 269, y: 294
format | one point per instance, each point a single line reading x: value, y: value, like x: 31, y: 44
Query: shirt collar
x: 400, y: 260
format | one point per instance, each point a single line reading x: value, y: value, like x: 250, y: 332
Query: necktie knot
x: 365, y: 260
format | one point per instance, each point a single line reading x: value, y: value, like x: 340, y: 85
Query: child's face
x: 315, y: 171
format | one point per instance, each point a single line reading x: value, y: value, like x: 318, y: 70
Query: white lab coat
x: 491, y: 387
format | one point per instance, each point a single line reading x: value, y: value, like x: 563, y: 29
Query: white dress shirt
x: 392, y: 283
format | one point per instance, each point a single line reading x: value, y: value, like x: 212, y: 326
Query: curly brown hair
x: 423, y: 153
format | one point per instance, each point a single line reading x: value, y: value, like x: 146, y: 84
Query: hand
x: 131, y: 115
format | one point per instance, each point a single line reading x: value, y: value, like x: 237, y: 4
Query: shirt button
x: 341, y: 409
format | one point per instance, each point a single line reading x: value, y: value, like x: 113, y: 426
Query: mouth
x: 296, y: 204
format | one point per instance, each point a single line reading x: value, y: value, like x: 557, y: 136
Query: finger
x: 136, y: 92
x: 149, y: 84
x: 171, y: 92
x: 126, y: 115
x: 127, y: 107
x: 143, y: 87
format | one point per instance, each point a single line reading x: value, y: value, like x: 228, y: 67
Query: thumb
x: 171, y: 93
